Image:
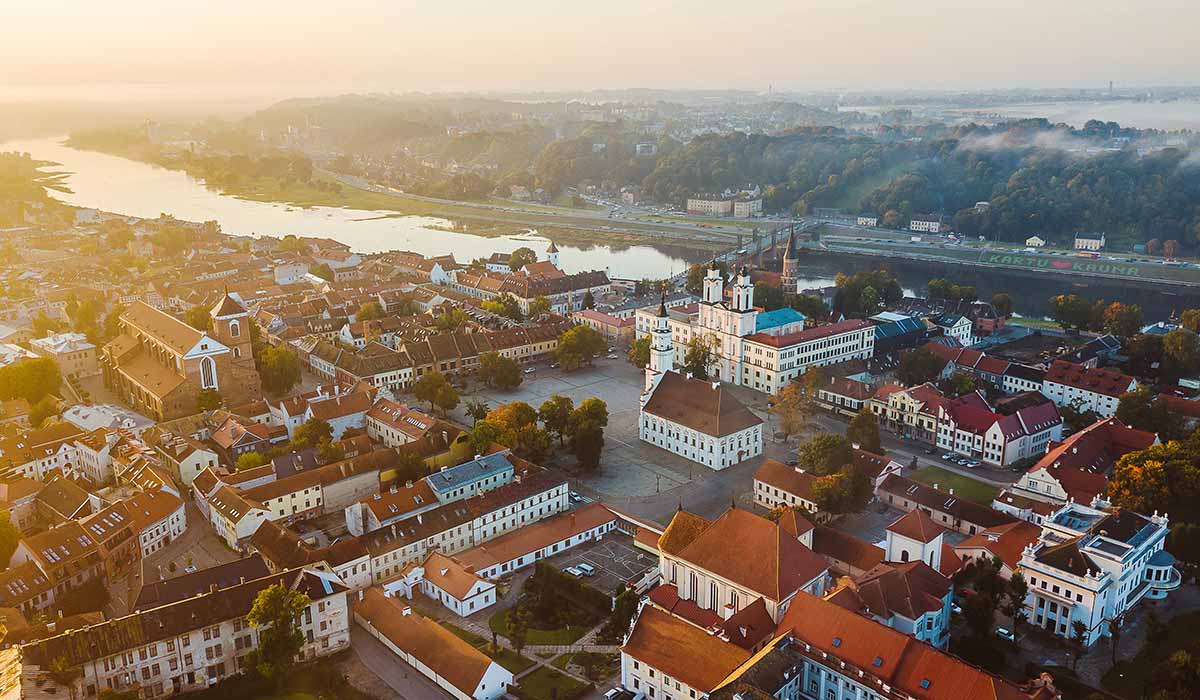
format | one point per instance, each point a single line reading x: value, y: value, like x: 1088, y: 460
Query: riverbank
x: 491, y: 218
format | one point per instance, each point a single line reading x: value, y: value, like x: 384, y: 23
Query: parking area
x: 615, y: 559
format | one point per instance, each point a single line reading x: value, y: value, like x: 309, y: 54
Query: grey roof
x: 469, y: 472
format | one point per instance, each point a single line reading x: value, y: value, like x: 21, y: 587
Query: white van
x: 587, y: 569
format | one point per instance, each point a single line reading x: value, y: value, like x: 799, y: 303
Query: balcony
x: 1161, y: 575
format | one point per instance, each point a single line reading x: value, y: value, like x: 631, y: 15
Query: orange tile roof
x: 792, y: 480
x: 916, y: 525
x: 781, y: 566
x: 535, y: 536
x: 909, y: 666
x: 700, y: 405
x: 676, y: 648
x: 1004, y: 541
x: 437, y: 648
x: 449, y: 575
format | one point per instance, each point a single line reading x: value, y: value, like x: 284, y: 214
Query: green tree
x: 477, y: 409
x: 450, y: 319
x: 698, y: 356
x: 578, y: 347
x: 917, y: 367
x: 323, y: 271
x: 1182, y: 348
x: 555, y: 414
x: 532, y: 443
x: 1190, y: 319
x: 250, y: 460
x: 961, y: 384
x: 200, y: 318
x: 276, y: 615
x: 40, y: 411
x: 521, y: 257
x: 1123, y: 320
x: 369, y: 311
x: 589, y: 301
x: 434, y: 388
x: 63, y: 673
x: 209, y: 400
x: 499, y: 371
x: 810, y: 305
x: 1079, y: 630
x: 824, y: 454
x: 639, y: 352
x: 1140, y: 409
x: 311, y: 433
x: 279, y: 369
x: 846, y: 491
x: 329, y: 452
x: 10, y: 536
x: 112, y: 324
x: 504, y: 305
x: 864, y: 432
x: 586, y: 431
x: 31, y: 379
x: 517, y: 627
x: 1075, y: 419
x: 1003, y: 304
x: 486, y: 432
x: 43, y: 325
x: 540, y: 305
x: 793, y: 407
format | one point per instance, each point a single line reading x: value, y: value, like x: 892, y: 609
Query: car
x: 612, y: 356
x: 572, y: 571
x: 949, y: 457
x: 530, y: 370
x: 575, y: 497
x: 972, y: 463
x: 929, y: 451
x: 955, y: 609
x: 586, y: 569
x: 553, y: 365
x: 189, y: 569
x: 1005, y: 634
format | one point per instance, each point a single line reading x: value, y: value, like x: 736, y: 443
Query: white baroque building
x: 1092, y: 566
x: 763, y: 351
x: 693, y: 418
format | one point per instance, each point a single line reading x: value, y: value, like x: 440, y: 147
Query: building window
x: 235, y: 329
x: 208, y: 373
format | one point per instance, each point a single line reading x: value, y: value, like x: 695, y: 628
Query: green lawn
x: 535, y: 637
x: 507, y: 658
x: 963, y: 486
x: 1132, y: 674
x: 541, y: 685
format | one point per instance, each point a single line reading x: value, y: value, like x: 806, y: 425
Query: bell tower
x: 231, y: 327
x: 662, y: 352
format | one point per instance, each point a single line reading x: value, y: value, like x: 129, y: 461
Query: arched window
x: 235, y: 329
x: 904, y: 555
x: 208, y: 373
x: 237, y: 352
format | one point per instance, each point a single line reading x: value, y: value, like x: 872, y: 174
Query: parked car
x: 1005, y: 634
x: 586, y: 569
x: 530, y: 370
x: 949, y: 457
x: 955, y: 609
x: 573, y: 571
x: 612, y: 356
x: 972, y: 463
x: 575, y: 497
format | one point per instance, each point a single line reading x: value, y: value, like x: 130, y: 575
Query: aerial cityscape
x: 654, y: 351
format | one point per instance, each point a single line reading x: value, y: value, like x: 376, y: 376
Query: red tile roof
x: 916, y: 525
x: 700, y: 405
x: 1109, y: 382
x: 675, y: 647
x: 779, y: 341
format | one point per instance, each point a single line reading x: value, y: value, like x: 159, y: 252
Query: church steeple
x: 662, y: 352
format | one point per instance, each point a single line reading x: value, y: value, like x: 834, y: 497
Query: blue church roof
x: 778, y: 317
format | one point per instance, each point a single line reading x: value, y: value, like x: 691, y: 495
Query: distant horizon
x: 541, y: 45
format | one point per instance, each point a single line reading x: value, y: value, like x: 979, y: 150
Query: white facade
x: 290, y: 273
x: 1105, y: 405
x: 747, y: 208
x: 1089, y: 568
x: 870, y: 221
x: 1089, y: 242
x: 763, y: 361
x: 925, y: 226
x: 713, y: 451
x: 710, y: 207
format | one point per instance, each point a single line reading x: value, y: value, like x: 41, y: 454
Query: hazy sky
x: 548, y: 44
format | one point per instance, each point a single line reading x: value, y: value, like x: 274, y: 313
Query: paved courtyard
x: 634, y: 474
x: 871, y: 525
x: 615, y: 559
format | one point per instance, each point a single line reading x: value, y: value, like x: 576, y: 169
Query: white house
x: 289, y: 272
x: 969, y: 428
x: 925, y: 225
x: 1087, y: 389
x: 452, y: 664
x: 1092, y: 566
x: 1035, y: 242
x: 448, y: 582
x: 1089, y: 241
x: 869, y: 221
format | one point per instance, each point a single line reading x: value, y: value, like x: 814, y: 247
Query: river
x: 124, y: 186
